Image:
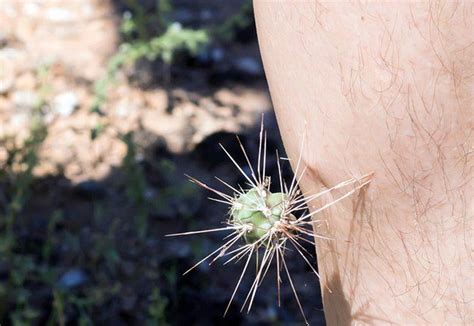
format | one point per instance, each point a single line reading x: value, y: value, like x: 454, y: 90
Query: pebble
x: 14, y: 59
x: 58, y: 14
x: 72, y: 278
x: 20, y: 120
x: 25, y: 99
x: 25, y: 81
x: 6, y: 76
x: 157, y: 100
x: 11, y: 54
x: 64, y: 103
x: 217, y: 54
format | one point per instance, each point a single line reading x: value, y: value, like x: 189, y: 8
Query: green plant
x: 105, y: 251
x: 139, y: 21
x: 58, y: 314
x: 21, y: 268
x: 55, y: 218
x: 22, y: 161
x: 45, y: 88
x: 168, y: 40
x: 16, y: 172
x: 16, y: 180
x: 136, y: 184
x: 83, y: 306
x: 268, y: 221
x: 261, y: 210
x: 24, y: 314
x: 240, y: 20
x: 66, y: 301
x: 157, y: 309
x: 98, y: 130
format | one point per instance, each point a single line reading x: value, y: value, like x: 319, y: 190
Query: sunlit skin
x: 383, y: 87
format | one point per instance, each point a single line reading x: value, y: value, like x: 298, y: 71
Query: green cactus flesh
x: 259, y: 208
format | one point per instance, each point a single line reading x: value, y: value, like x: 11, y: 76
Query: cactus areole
x: 260, y: 209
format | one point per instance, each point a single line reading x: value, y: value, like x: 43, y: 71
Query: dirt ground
x: 87, y: 244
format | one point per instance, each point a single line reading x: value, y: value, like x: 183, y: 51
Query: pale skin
x: 383, y: 87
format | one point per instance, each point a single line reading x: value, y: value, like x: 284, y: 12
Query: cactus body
x: 260, y: 209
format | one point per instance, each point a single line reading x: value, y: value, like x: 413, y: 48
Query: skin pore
x: 383, y: 87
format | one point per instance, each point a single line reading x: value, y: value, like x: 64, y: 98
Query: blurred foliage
x: 157, y: 309
x: 16, y: 178
x: 97, y: 130
x: 240, y: 20
x: 16, y: 172
x: 136, y: 184
x: 48, y: 244
x: 138, y: 21
x: 168, y: 39
x: 18, y: 169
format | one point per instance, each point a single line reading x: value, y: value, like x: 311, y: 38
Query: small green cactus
x: 268, y: 221
x: 260, y: 209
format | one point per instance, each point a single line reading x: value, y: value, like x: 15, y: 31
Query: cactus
x: 260, y: 209
x: 268, y: 221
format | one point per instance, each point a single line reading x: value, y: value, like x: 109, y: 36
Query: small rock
x: 25, y: 81
x: 246, y: 100
x: 226, y: 97
x: 72, y: 278
x: 248, y: 66
x: 18, y: 125
x: 6, y: 77
x: 90, y: 189
x: 217, y: 54
x: 157, y: 100
x: 207, y: 104
x: 11, y: 54
x: 65, y: 103
x: 25, y: 99
x: 58, y: 14
x: 173, y: 128
x: 14, y: 59
x: 31, y: 9
x: 20, y: 120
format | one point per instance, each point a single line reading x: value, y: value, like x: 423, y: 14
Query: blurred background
x: 104, y: 105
